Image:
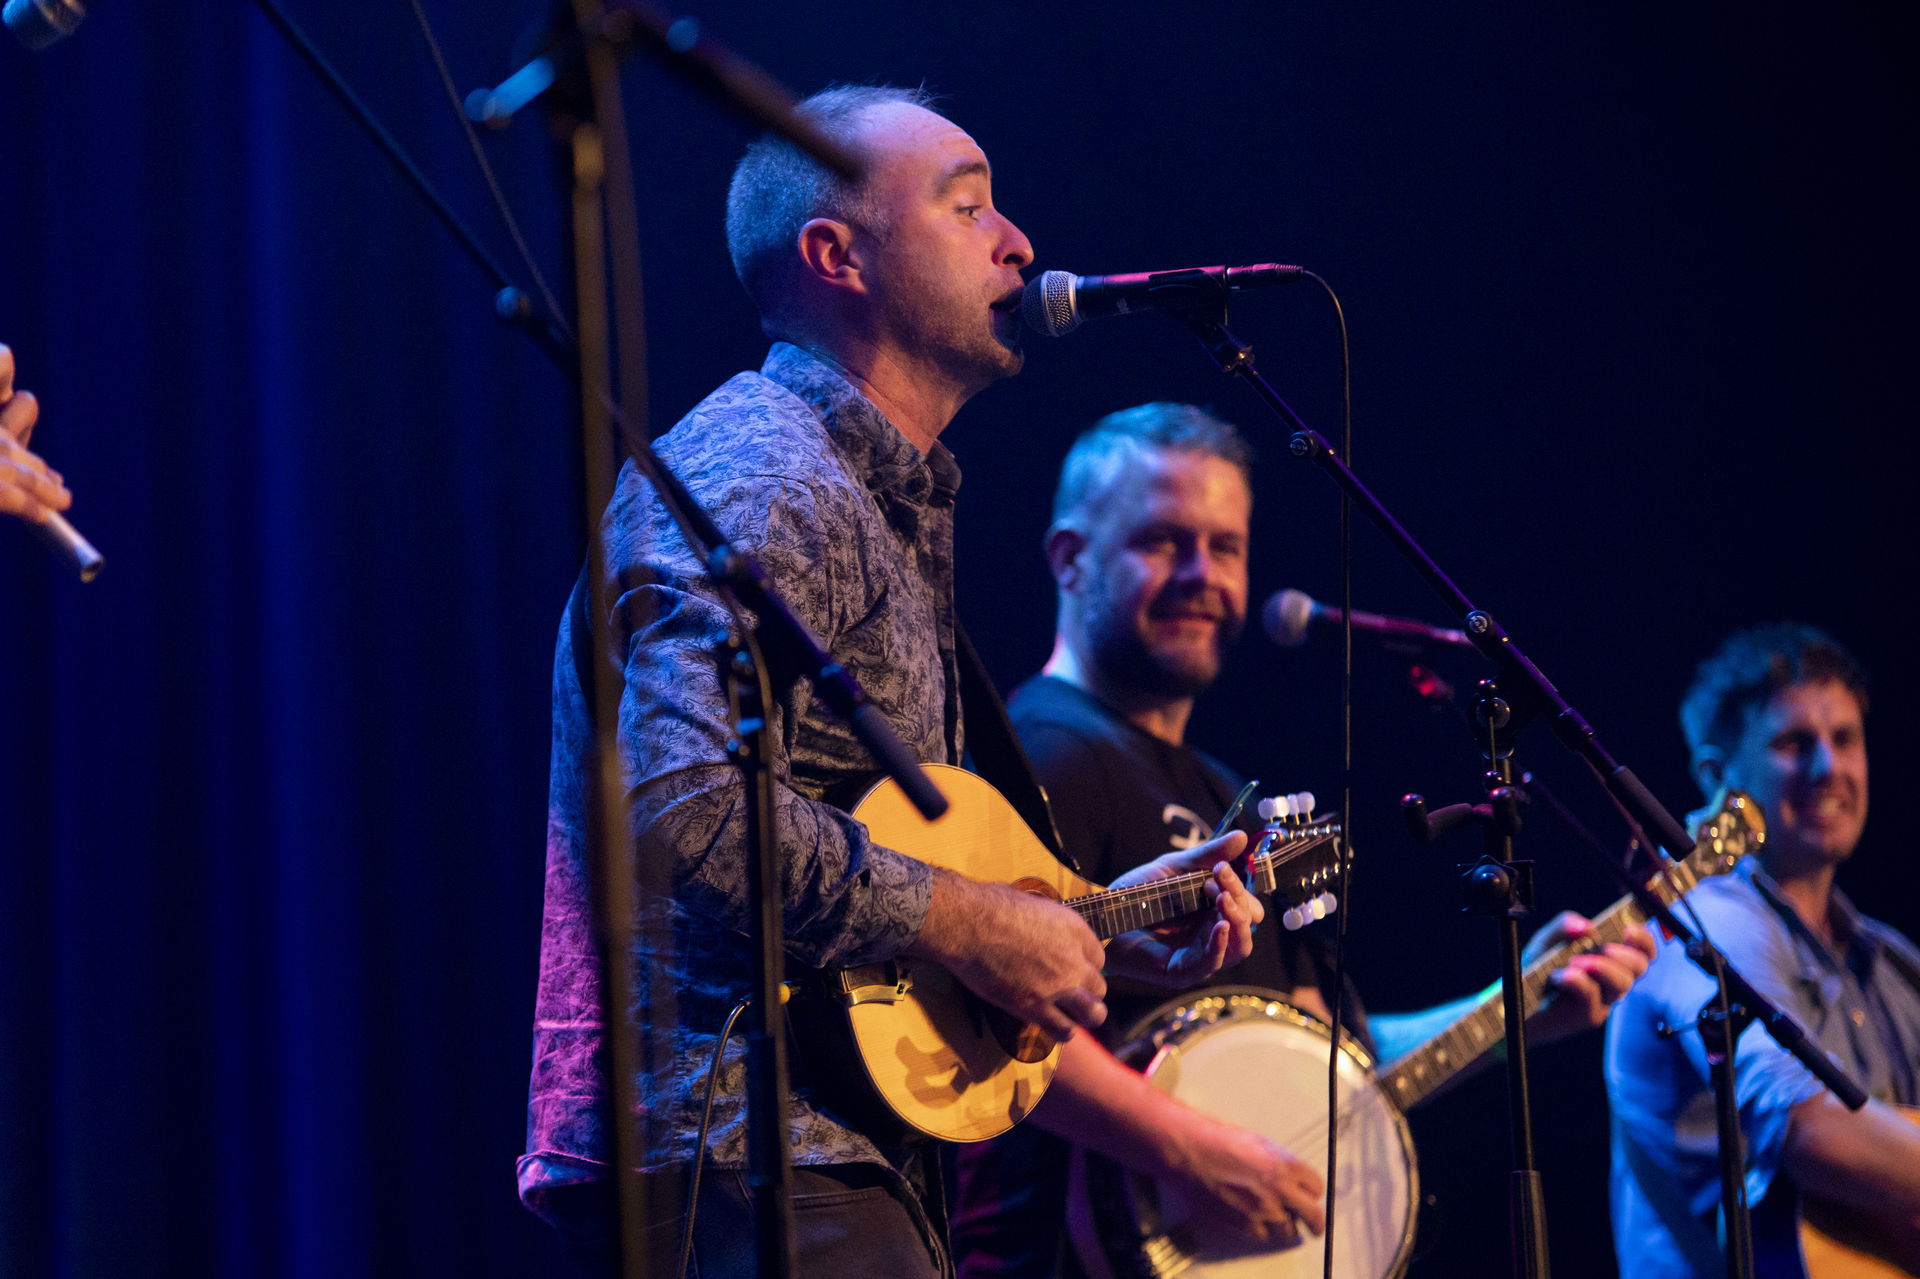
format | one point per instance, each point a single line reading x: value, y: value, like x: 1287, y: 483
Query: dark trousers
x: 850, y: 1221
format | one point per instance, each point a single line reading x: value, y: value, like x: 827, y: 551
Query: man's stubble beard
x: 953, y: 336
x: 1124, y: 661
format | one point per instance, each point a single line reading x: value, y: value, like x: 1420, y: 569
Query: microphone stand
x: 1529, y: 694
x: 776, y: 651
x: 1501, y: 887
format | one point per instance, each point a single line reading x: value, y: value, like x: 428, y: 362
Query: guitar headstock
x: 1735, y: 829
x: 1301, y: 855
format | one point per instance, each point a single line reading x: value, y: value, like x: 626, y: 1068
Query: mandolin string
x: 1310, y: 838
x: 1111, y: 907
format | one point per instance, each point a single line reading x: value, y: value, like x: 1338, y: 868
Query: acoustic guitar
x: 945, y: 1061
x: 1836, y: 1243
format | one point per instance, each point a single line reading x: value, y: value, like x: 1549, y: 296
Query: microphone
x: 1057, y: 302
x: 39, y: 23
x: 1290, y: 614
x: 70, y: 546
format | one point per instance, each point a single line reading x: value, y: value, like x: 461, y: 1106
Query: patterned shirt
x: 854, y: 527
x: 1856, y: 1004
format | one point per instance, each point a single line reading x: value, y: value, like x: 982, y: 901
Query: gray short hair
x: 777, y: 189
x: 1104, y: 449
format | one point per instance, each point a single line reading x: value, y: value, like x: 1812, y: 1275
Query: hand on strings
x: 1243, y: 1187
x: 1194, y: 949
x: 1024, y: 953
x: 1585, y: 990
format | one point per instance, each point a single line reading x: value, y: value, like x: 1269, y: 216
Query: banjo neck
x: 1734, y: 831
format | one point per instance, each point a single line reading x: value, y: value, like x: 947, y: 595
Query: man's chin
x: 1184, y: 676
x: 1809, y: 849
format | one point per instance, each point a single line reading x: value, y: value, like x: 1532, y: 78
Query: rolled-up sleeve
x: 1768, y: 1082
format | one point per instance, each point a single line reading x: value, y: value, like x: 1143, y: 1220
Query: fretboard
x: 1120, y: 910
x: 1433, y: 1063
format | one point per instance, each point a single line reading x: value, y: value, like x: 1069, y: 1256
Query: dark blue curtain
x: 1631, y: 295
x: 273, y: 789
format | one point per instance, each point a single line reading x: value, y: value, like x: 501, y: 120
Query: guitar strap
x: 996, y: 752
x: 1902, y: 963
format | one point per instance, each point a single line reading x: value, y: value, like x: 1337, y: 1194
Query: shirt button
x: 1859, y: 1016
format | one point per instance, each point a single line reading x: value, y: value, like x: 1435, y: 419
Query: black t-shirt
x: 1120, y: 796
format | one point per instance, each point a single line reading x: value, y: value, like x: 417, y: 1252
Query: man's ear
x: 1709, y: 770
x: 1064, y: 546
x: 827, y: 254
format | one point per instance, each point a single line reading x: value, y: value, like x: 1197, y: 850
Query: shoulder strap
x: 997, y: 753
x: 1902, y: 962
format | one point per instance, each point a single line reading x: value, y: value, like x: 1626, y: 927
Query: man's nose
x: 1194, y: 565
x: 1016, y: 250
x: 1820, y: 761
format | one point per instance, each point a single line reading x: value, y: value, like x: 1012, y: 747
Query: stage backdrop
x: 1630, y: 291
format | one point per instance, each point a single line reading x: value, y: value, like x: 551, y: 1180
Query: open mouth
x: 1010, y: 303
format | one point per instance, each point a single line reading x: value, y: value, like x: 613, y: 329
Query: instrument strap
x: 996, y: 750
x: 1902, y: 962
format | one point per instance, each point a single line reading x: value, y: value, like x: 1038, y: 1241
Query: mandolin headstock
x: 1297, y: 858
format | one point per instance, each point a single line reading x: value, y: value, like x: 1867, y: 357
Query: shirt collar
x: 1858, y: 945
x: 902, y: 479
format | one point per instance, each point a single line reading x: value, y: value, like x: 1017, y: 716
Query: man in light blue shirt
x: 1779, y: 713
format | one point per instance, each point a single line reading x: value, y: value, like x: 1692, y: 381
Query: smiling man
x: 1779, y: 712
x: 1149, y: 549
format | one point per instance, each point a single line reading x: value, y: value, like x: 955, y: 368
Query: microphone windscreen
x: 1046, y: 304
x: 1286, y: 617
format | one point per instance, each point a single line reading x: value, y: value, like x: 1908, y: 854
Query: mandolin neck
x: 1120, y: 910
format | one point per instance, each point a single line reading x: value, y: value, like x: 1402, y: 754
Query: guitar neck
x: 1120, y: 910
x: 1421, y: 1072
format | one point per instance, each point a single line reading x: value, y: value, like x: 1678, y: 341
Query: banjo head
x: 1245, y: 1056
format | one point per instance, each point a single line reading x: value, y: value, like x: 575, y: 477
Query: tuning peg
x: 1293, y: 919
x: 1303, y: 804
x: 1326, y: 903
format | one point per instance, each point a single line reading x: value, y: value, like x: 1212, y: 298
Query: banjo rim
x: 1167, y: 1026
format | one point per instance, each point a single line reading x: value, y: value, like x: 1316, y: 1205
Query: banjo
x: 1247, y: 1057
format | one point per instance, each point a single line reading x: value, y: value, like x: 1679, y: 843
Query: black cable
x: 500, y: 203
x: 700, y: 1142
x: 1722, y: 998
x: 1345, y: 862
x: 545, y: 330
